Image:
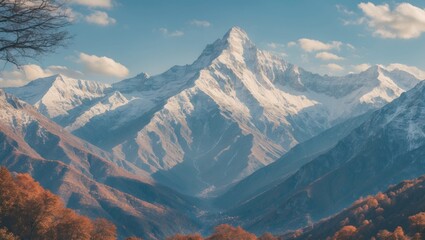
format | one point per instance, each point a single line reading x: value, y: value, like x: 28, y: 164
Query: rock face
x: 386, y: 149
x: 88, y: 179
x: 202, y: 127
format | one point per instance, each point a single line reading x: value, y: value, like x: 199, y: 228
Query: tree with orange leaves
x: 346, y: 233
x: 398, y: 234
x: 227, y: 232
x: 6, y: 235
x: 267, y: 236
x: 417, y: 222
x: 103, y: 230
x: 27, y: 211
x: 195, y: 236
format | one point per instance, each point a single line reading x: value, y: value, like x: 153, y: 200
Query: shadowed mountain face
x: 201, y: 128
x: 87, y: 178
x: 387, y: 148
x: 277, y: 172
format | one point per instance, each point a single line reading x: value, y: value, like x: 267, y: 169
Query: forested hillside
x: 28, y: 211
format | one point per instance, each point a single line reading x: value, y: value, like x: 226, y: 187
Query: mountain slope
x: 87, y: 178
x: 200, y: 128
x: 384, y: 211
x: 272, y: 175
x: 386, y: 149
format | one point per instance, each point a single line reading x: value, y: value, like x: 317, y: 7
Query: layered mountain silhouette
x: 202, y: 127
x: 87, y: 178
x: 239, y: 136
x: 386, y: 149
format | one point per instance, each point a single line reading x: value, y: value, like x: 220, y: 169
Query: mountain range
x: 385, y: 149
x: 88, y: 179
x: 240, y: 136
x: 234, y: 110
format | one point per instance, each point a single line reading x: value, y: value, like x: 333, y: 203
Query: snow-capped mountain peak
x: 236, y: 38
x: 54, y: 96
x: 234, y: 46
x: 236, y: 33
x: 137, y: 83
x: 213, y: 122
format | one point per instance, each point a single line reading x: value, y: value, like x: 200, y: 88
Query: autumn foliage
x: 346, y: 232
x: 267, y: 236
x: 27, y: 211
x: 225, y: 232
x: 397, y: 214
x: 195, y: 236
x: 414, y: 230
x: 398, y: 234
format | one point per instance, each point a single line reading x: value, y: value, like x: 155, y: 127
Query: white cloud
x: 200, y: 23
x: 27, y: 73
x: 418, y: 73
x: 327, y: 56
x: 344, y: 10
x: 274, y: 45
x: 71, y: 14
x: 103, y: 66
x: 291, y: 44
x: 405, y: 21
x: 311, y: 45
x: 277, y: 49
x: 4, y: 82
x: 361, y: 67
x: 334, y: 68
x: 94, y: 3
x: 350, y: 46
x: 100, y: 18
x: 169, y: 33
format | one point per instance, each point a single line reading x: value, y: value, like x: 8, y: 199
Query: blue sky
x: 153, y: 35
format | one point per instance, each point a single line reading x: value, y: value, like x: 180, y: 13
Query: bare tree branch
x: 30, y: 28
